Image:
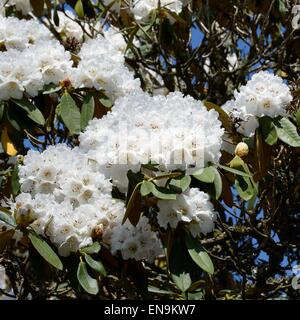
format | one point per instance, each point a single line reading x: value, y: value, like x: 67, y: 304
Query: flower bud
x: 241, y: 149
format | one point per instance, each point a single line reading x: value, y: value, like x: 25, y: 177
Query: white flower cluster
x: 191, y: 207
x: 20, y: 34
x: 102, y: 66
x: 139, y: 242
x: 141, y: 9
x: 174, y: 132
x: 264, y: 95
x: 23, y: 6
x: 115, y: 38
x: 67, y: 27
x: 63, y: 199
x: 31, y: 69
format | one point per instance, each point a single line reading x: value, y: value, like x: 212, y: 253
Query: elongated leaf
x: 89, y: 284
x: 297, y: 115
x: 206, y: 175
x: 93, y: 248
x: 198, y: 254
x: 268, y: 130
x: 7, y: 144
x: 223, y: 116
x: 159, y: 291
x: 87, y: 110
x: 45, y: 250
x: 287, y: 132
x: 15, y: 185
x: 217, y: 183
x: 146, y: 188
x: 105, y: 101
x: 163, y: 193
x: 51, y: 88
x: 79, y: 9
x: 235, y: 171
x: 14, y: 119
x: 133, y: 209
x: 181, y: 182
x: 96, y: 265
x: 246, y: 186
x: 70, y: 113
x: 33, y: 112
x: 179, y: 265
x: 5, y: 236
x: 56, y: 16
x: 5, y: 216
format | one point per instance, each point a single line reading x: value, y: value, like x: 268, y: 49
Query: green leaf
x: 198, y: 254
x: 287, y: 132
x: 163, y: 193
x: 179, y: 265
x: 182, y: 182
x: 297, y: 115
x: 217, y: 183
x: 15, y: 185
x: 206, y: 175
x: 105, y: 101
x: 159, y: 291
x: 87, y: 110
x: 96, y: 265
x: 70, y: 113
x: 6, y: 216
x: 223, y: 116
x: 93, y: 248
x: 234, y: 171
x: 51, y: 88
x: 89, y: 284
x: 146, y: 188
x: 280, y: 4
x: 33, y: 112
x: 133, y: 209
x: 45, y: 250
x: 246, y: 186
x: 268, y: 130
x: 56, y: 16
x: 13, y: 119
x: 79, y: 9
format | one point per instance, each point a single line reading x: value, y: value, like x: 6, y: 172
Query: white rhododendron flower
x: 264, y: 95
x: 67, y: 27
x: 115, y: 38
x: 102, y: 67
x: 20, y: 33
x: 139, y: 242
x: 142, y: 9
x: 29, y: 70
x: 64, y: 199
x: 174, y: 132
x: 192, y: 208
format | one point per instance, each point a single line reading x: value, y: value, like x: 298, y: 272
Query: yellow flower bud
x: 241, y: 149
